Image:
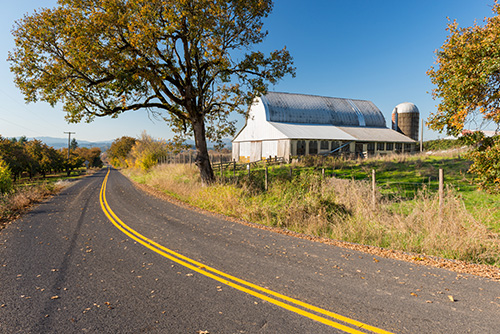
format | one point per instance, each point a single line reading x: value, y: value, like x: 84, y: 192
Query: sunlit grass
x: 342, y: 209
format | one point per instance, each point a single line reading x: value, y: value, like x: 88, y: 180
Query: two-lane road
x: 104, y: 257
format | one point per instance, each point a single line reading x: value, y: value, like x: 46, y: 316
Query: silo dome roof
x: 406, y: 107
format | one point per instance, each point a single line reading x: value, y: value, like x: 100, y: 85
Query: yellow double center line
x: 291, y: 304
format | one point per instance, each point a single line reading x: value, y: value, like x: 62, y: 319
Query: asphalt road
x: 104, y: 257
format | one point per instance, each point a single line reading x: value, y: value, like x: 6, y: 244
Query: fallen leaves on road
x: 451, y: 298
x: 54, y: 297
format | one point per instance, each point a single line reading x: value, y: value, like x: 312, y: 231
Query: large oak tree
x: 189, y: 62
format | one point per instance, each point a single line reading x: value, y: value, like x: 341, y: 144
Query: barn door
x: 256, y: 152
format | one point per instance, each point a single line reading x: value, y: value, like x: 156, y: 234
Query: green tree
x: 75, y: 161
x: 119, y: 150
x: 467, y: 76
x: 147, y: 150
x: 5, y: 178
x: 92, y: 155
x: 467, y: 80
x: 74, y: 144
x: 16, y: 157
x: 34, y: 148
x: 183, y: 60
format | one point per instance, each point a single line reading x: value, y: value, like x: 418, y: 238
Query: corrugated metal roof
x: 376, y: 134
x: 330, y: 132
x: 311, y: 109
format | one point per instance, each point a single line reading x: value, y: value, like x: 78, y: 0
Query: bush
x: 5, y: 178
x: 486, y: 163
x: 146, y: 152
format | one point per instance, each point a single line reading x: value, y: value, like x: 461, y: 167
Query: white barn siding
x: 245, y: 151
x: 284, y: 148
x: 269, y: 149
x: 236, y: 151
x: 256, y: 150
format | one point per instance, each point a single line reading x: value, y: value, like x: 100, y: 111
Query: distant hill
x: 58, y: 143
x: 226, y: 141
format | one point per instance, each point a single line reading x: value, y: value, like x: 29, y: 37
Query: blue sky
x: 361, y: 49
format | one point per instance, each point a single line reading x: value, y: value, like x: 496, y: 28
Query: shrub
x: 146, y: 152
x: 486, y: 163
x: 5, y: 178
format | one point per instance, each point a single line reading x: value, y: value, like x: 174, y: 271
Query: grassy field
x: 341, y: 207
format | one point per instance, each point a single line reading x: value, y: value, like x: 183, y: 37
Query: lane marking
x: 232, y: 281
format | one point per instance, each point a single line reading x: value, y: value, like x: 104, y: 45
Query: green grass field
x: 398, y: 178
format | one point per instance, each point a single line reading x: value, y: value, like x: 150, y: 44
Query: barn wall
x: 269, y: 149
x: 236, y: 151
x: 245, y: 151
x: 256, y: 151
x: 284, y: 148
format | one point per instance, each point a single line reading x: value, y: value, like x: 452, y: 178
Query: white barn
x: 285, y: 125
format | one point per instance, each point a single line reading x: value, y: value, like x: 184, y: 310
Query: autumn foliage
x: 467, y: 76
x: 188, y: 62
x: 467, y: 79
x: 33, y: 157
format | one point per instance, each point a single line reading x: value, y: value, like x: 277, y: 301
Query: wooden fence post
x: 234, y: 169
x: 374, y: 184
x: 248, y: 169
x: 441, y: 193
x: 266, y: 179
x: 291, y: 171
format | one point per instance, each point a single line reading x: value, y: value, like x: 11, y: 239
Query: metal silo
x: 406, y: 119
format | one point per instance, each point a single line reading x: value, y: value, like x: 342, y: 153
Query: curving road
x: 104, y: 257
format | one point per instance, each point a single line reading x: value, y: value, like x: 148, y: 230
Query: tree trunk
x: 202, y: 159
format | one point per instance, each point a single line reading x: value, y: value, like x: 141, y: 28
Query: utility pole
x: 69, y: 141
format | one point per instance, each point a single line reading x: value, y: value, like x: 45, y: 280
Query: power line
x: 23, y: 106
x: 21, y: 126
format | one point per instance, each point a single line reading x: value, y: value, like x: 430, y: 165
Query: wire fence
x: 188, y: 157
x: 263, y: 173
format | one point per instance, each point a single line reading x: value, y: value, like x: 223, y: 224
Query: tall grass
x: 21, y: 197
x: 339, y: 209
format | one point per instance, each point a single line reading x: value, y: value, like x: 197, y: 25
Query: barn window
x: 313, y: 147
x: 335, y: 145
x: 301, y: 147
x: 324, y: 145
x: 370, y: 147
x: 347, y: 147
x: 380, y: 146
x: 399, y: 147
x: 407, y: 147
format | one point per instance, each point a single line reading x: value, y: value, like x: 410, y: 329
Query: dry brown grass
x: 15, y: 203
x: 339, y: 209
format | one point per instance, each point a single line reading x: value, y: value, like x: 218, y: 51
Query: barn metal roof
x: 329, y: 132
x: 311, y: 109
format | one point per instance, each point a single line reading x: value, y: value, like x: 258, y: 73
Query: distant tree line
x: 23, y: 157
